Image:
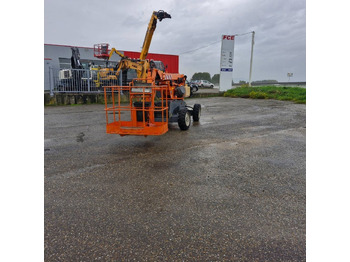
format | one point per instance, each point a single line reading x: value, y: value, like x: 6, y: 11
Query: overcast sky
x: 280, y: 32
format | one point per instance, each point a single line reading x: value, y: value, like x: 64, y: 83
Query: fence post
x: 121, y: 81
x: 51, y: 80
x: 88, y: 79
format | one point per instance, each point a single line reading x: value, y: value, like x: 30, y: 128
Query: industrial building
x: 57, y: 57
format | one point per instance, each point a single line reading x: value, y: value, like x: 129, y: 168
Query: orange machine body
x: 147, y: 110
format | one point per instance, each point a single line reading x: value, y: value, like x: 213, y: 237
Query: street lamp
x: 251, y: 60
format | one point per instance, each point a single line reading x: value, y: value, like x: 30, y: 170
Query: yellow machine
x: 141, y: 65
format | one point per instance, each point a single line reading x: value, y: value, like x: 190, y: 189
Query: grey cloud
x: 279, y: 26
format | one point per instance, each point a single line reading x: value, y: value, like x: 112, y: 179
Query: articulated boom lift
x: 155, y: 96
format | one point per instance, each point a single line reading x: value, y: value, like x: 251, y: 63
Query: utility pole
x: 251, y: 60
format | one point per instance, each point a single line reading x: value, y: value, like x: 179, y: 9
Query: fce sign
x: 226, y: 62
x: 228, y: 37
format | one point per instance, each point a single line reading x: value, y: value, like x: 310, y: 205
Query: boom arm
x: 115, y: 51
x: 150, y: 30
x: 127, y: 63
x: 141, y: 65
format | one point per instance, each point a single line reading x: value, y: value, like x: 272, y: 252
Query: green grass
x: 295, y: 94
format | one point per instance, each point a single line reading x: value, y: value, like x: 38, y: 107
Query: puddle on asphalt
x: 80, y: 137
x: 202, y: 122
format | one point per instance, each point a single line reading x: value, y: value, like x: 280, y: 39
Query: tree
x: 201, y: 76
x: 215, y: 79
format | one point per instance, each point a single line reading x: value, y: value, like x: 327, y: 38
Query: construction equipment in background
x: 140, y: 65
x: 75, y: 64
x: 75, y: 59
x: 156, y: 97
x: 106, y: 75
x: 73, y: 78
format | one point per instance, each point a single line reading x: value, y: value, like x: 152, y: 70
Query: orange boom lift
x: 155, y: 97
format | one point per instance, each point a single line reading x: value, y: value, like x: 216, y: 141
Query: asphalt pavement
x: 231, y: 188
x: 214, y: 90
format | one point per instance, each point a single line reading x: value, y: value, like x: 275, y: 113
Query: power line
x: 243, y: 33
x: 200, y: 48
x: 191, y: 51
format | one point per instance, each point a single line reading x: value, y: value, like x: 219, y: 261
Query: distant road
x: 216, y: 88
x: 299, y: 84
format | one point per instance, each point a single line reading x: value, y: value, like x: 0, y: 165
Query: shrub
x: 244, y: 85
x: 257, y: 95
x: 295, y: 94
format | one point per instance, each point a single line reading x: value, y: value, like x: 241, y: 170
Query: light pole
x: 251, y: 61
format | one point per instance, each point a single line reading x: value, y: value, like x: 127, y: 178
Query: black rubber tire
x: 197, y: 108
x: 211, y: 86
x: 184, y: 119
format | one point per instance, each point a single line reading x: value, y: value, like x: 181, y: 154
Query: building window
x: 65, y: 63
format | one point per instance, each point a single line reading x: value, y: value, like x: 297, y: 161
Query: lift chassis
x: 178, y: 113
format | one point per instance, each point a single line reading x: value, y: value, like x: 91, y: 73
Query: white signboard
x: 226, y: 62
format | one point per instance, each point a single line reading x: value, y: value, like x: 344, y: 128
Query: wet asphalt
x: 231, y: 188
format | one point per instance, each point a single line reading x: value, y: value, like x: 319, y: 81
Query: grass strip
x: 295, y: 94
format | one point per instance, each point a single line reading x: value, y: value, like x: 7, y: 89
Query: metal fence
x: 83, y: 80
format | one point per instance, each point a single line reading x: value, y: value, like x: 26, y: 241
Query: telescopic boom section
x: 150, y: 30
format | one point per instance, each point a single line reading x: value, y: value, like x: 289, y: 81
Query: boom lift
x: 155, y: 97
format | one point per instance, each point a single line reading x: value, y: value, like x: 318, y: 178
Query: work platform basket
x: 136, y: 110
x: 101, y: 51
